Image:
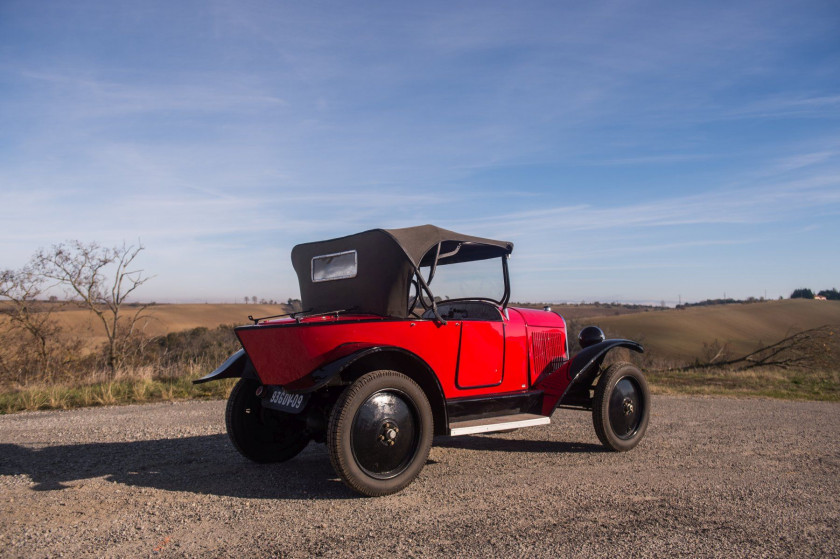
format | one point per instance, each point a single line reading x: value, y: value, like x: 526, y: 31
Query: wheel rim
x: 385, y: 434
x: 626, y: 408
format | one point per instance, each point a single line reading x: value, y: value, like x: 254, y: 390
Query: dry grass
x: 118, y: 392
x: 765, y: 383
x: 160, y: 369
x: 758, y: 382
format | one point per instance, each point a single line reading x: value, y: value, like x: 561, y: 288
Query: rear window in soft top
x: 340, y: 265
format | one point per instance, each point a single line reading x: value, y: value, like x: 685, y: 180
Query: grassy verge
x: 764, y: 383
x: 124, y: 391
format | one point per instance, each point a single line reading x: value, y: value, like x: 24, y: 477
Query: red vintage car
x: 376, y: 365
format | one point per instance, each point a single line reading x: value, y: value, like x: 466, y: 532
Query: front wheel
x: 380, y: 432
x: 260, y: 434
x: 621, y: 407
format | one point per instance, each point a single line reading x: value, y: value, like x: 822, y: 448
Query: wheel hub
x: 625, y: 408
x: 388, y: 434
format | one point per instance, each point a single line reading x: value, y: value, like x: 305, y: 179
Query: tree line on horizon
x: 253, y: 300
x: 805, y: 293
x: 802, y: 293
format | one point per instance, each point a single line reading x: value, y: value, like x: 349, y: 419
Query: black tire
x: 621, y: 407
x: 380, y: 432
x: 262, y: 435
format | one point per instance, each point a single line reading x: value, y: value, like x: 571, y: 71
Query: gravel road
x: 713, y: 477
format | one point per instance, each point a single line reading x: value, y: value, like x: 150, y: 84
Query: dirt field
x: 680, y: 334
x: 714, y: 477
x: 162, y: 319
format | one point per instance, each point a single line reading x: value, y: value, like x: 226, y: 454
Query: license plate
x: 279, y: 399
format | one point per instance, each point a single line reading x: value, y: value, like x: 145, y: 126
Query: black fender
x: 341, y: 371
x: 237, y: 365
x: 331, y: 372
x: 586, y: 365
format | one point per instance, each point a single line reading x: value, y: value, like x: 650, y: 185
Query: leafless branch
x: 808, y: 349
x: 100, y: 279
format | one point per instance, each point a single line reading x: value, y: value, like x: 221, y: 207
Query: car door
x: 481, y: 354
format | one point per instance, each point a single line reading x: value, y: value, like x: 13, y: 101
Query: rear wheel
x: 621, y: 406
x: 260, y: 434
x: 380, y: 433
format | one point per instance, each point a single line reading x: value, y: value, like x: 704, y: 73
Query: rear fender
x: 335, y: 362
x: 349, y: 361
x: 582, y: 369
x: 237, y: 365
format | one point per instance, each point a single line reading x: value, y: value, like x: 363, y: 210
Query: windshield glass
x: 482, y: 279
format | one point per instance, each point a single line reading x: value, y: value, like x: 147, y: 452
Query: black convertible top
x: 386, y: 262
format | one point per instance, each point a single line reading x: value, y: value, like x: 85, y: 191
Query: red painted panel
x: 516, y: 352
x: 284, y: 350
x: 282, y: 353
x: 481, y: 357
x: 554, y: 386
x: 534, y: 317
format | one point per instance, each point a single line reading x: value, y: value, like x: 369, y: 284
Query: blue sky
x: 632, y: 151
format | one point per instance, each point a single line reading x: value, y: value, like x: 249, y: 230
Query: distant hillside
x: 163, y: 319
x: 679, y: 334
x: 674, y: 334
x: 588, y: 310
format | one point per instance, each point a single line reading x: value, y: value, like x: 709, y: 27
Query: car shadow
x: 209, y: 465
x: 498, y: 444
x: 201, y: 464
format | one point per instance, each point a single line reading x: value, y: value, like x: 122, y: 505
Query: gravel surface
x: 713, y: 477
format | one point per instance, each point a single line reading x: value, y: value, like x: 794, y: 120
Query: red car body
x: 469, y: 358
x: 365, y: 372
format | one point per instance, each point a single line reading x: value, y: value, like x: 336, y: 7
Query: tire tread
x: 242, y: 437
x: 341, y: 420
x: 600, y: 418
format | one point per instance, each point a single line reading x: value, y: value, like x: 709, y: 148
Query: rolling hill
x: 162, y: 319
x: 679, y: 334
x: 673, y: 334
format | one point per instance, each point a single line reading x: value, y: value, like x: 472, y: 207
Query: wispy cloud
x: 600, y: 136
x: 658, y: 159
x: 776, y: 107
x: 102, y: 98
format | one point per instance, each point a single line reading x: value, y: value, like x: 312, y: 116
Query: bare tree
x: 812, y: 349
x: 808, y: 349
x: 101, y: 279
x: 21, y: 289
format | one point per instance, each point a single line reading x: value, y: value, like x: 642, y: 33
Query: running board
x: 502, y: 423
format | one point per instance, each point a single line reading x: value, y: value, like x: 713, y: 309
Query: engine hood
x: 534, y: 317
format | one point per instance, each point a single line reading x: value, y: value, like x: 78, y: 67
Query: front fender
x: 582, y: 370
x: 237, y: 365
